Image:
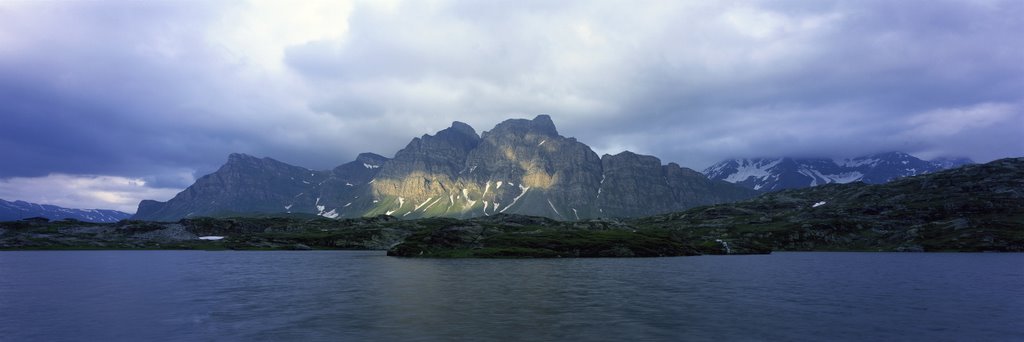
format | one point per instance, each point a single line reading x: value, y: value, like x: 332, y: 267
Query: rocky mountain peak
x: 241, y: 161
x: 240, y: 158
x: 371, y: 159
x: 521, y: 166
x: 462, y: 128
x: 540, y: 125
x: 366, y: 165
x: 459, y: 135
x: 631, y: 158
x: 244, y: 163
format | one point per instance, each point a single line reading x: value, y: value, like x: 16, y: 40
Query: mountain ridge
x: 521, y: 166
x: 780, y: 173
x: 17, y: 210
x: 976, y: 208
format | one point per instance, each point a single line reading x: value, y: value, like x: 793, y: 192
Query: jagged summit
x: 242, y: 160
x: 540, y: 125
x: 458, y: 130
x: 463, y: 128
x: 373, y: 159
x: 458, y: 136
x: 520, y: 166
x: 629, y: 154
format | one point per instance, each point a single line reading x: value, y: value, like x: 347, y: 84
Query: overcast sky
x: 105, y: 103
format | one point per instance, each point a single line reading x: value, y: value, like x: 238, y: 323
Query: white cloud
x: 83, y: 191
x: 256, y: 32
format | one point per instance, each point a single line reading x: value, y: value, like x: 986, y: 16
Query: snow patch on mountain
x: 330, y: 214
x: 516, y: 199
x: 772, y: 174
x: 553, y: 208
x: 749, y: 168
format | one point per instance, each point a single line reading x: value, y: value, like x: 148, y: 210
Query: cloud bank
x: 162, y: 92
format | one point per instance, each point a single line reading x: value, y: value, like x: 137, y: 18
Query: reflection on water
x: 189, y: 295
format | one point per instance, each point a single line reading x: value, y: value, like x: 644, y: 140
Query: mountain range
x: 520, y: 166
x: 972, y: 208
x: 17, y: 210
x: 773, y: 174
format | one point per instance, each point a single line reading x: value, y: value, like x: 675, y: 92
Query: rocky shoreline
x: 504, y: 236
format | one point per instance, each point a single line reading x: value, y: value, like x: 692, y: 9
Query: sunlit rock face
x: 520, y: 166
x: 427, y: 169
x: 542, y: 172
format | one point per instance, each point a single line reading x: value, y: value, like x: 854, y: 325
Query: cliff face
x: 638, y: 185
x: 426, y: 170
x: 519, y: 167
x: 533, y: 170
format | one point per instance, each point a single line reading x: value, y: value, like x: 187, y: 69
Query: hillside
x: 971, y: 208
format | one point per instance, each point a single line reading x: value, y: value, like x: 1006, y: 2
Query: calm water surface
x: 361, y: 296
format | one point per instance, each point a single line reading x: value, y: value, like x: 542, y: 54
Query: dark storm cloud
x: 85, y: 91
x: 162, y: 92
x: 692, y: 82
x: 133, y: 89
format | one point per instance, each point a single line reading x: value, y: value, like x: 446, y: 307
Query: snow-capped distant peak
x: 17, y: 210
x: 771, y: 174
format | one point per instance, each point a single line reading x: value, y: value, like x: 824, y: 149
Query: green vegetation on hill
x: 972, y: 208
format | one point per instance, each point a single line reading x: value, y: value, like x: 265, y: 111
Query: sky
x: 106, y: 103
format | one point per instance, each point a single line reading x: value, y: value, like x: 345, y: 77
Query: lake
x: 367, y: 296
